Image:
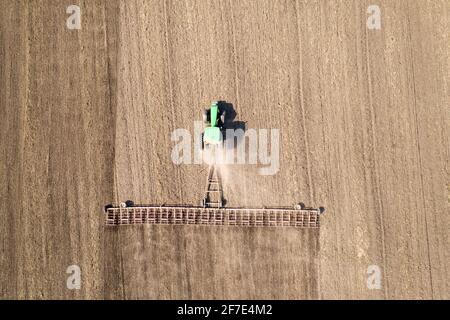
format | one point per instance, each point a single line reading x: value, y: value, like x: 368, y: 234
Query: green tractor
x: 214, y: 119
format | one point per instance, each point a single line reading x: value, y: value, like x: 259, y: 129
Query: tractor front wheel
x: 222, y: 117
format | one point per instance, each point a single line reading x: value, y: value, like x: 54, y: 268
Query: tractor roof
x: 212, y: 135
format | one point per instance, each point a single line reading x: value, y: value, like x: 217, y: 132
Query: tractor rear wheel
x: 206, y: 116
x: 222, y: 117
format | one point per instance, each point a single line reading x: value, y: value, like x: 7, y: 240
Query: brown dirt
x: 87, y: 117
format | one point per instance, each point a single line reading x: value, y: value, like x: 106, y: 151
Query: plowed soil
x: 87, y: 118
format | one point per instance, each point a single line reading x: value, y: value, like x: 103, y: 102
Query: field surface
x: 363, y: 117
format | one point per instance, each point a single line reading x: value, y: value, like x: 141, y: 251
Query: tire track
x: 171, y: 92
x: 376, y: 174
x: 419, y: 155
x: 302, y: 106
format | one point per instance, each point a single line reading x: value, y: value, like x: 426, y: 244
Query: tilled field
x: 87, y: 118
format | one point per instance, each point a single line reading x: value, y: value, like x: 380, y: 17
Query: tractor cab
x: 214, y: 119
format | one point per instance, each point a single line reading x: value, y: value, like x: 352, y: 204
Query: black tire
x: 108, y: 206
x: 129, y: 203
x: 206, y: 116
x: 299, y: 206
x: 222, y: 117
